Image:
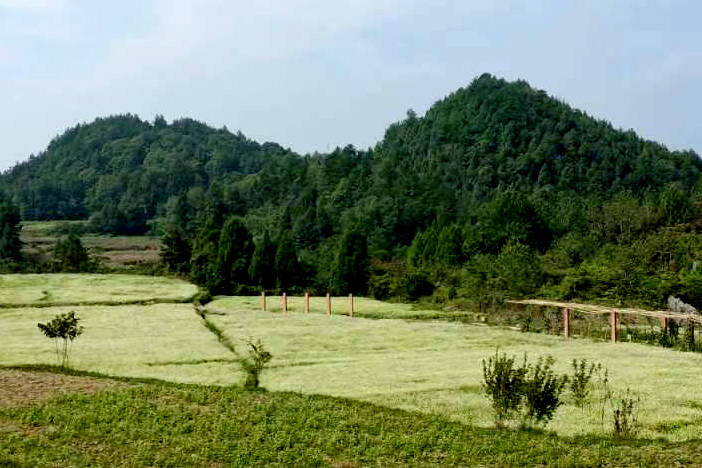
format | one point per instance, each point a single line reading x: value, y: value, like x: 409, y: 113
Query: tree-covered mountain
x: 119, y: 170
x: 497, y: 189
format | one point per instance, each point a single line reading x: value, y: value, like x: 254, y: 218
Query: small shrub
x: 503, y: 382
x: 542, y: 390
x: 581, y: 381
x: 63, y: 329
x: 532, y: 389
x: 604, y: 393
x: 626, y: 416
x: 255, y: 363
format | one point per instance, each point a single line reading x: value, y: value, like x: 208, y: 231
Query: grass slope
x: 435, y: 366
x: 135, y: 341
x: 43, y: 290
x: 175, y: 425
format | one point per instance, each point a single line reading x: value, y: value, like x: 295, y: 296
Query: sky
x: 312, y: 75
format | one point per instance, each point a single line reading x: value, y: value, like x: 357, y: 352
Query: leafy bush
x: 542, y: 390
x: 63, y: 329
x: 255, y: 363
x: 532, y: 390
x: 503, y: 382
x: 70, y: 255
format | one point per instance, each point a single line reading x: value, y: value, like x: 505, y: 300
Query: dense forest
x: 498, y: 190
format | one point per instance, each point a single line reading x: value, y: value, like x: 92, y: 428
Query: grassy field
x: 156, y: 424
x: 365, y: 390
x: 116, y: 252
x: 435, y: 366
x: 61, y: 288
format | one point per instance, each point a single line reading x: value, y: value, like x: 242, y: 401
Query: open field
x: 118, y: 252
x: 166, y: 425
x: 435, y: 366
x: 388, y: 390
x: 62, y: 288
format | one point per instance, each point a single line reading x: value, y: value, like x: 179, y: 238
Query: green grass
x: 174, y: 425
x: 435, y: 366
x: 363, y: 307
x: 410, y: 388
x: 133, y: 341
x: 58, y: 289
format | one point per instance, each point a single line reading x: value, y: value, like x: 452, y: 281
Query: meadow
x: 381, y: 387
x: 113, y: 252
x: 44, y: 290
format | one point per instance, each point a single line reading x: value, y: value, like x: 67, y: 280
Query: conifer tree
x: 287, y: 266
x: 350, y: 273
x: 262, y: 268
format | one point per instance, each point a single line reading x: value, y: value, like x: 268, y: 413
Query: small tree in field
x: 254, y: 364
x: 63, y: 329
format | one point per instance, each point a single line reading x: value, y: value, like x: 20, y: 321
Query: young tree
x: 350, y: 273
x: 10, y: 244
x: 63, y: 329
x: 255, y: 363
x: 71, y: 256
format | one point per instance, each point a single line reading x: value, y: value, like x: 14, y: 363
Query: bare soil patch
x: 21, y: 388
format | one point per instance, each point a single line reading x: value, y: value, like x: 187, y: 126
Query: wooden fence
x: 569, y: 307
x: 328, y: 303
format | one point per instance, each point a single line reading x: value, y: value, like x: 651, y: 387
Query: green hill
x: 496, y: 178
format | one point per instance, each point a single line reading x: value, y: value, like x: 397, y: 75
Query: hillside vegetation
x: 498, y: 190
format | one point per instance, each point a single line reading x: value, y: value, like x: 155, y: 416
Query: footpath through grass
x: 152, y: 424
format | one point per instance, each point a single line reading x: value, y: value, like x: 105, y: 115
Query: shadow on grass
x: 293, y: 428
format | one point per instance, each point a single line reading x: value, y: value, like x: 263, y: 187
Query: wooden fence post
x: 689, y: 335
x: 664, y: 325
x: 307, y: 302
x: 328, y: 305
x: 613, y: 325
x: 566, y: 322
x: 285, y: 303
x: 351, y: 305
x: 263, y: 301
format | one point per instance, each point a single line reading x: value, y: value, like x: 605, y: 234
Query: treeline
x: 498, y: 190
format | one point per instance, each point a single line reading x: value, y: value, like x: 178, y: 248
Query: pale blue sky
x: 312, y: 75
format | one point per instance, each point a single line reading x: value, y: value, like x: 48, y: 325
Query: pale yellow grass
x: 61, y: 288
x: 132, y: 341
x: 436, y: 367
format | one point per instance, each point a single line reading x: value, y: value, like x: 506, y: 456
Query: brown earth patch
x: 21, y: 388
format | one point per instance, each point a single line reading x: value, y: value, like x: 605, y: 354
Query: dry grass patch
x: 22, y: 388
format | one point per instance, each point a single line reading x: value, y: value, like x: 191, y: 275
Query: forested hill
x: 496, y: 170
x: 121, y: 169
